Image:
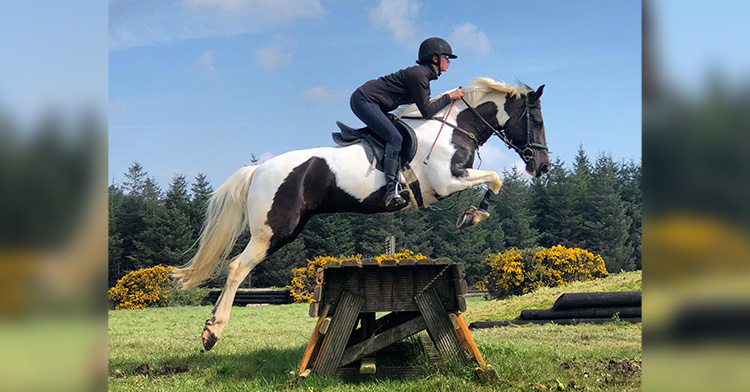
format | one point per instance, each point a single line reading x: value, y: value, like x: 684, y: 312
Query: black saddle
x: 374, y: 145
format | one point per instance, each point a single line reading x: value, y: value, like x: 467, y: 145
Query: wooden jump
x: 417, y: 295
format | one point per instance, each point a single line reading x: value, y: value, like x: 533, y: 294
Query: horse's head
x: 524, y: 130
x: 514, y: 114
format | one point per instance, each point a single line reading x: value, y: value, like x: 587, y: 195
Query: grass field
x: 262, y: 344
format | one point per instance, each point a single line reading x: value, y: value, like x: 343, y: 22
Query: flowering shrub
x: 516, y: 272
x: 305, y: 278
x: 142, y: 288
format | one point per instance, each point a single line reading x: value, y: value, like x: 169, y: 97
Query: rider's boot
x: 390, y: 167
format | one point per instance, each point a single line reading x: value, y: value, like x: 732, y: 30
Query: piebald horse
x: 276, y: 198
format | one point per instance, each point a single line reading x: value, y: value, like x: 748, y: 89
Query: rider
x: 371, y: 101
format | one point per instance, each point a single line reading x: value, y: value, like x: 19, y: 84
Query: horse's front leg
x: 474, y: 215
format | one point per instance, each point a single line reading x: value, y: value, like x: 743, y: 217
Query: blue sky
x: 200, y: 85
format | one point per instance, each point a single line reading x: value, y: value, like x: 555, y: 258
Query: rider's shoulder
x: 416, y: 71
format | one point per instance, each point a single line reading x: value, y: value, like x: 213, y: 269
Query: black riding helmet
x: 434, y: 46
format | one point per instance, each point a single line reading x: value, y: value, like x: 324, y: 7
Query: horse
x: 276, y: 198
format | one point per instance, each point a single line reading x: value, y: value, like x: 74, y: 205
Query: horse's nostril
x: 544, y: 168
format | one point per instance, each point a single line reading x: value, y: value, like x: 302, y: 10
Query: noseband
x: 524, y: 151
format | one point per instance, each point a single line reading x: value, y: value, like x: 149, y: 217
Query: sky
x: 199, y: 86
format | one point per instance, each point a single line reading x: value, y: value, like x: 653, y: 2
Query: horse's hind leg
x: 254, y: 252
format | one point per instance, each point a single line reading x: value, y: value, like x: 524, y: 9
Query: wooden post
x: 440, y: 327
x: 313, y: 341
x: 334, y: 343
x: 382, y: 340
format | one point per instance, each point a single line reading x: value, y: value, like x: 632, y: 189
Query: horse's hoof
x: 209, y: 339
x: 466, y: 219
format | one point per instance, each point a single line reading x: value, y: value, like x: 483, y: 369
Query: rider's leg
x: 371, y: 115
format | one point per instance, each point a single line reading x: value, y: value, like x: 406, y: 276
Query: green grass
x: 261, y: 344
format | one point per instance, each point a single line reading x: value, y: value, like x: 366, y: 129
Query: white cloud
x: 205, y: 63
x: 396, y: 16
x: 466, y: 37
x: 321, y: 93
x: 277, y: 53
x: 146, y: 23
x: 278, y: 10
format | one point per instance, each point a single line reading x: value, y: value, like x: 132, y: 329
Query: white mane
x: 475, y: 92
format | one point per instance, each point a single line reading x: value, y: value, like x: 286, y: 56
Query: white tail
x: 226, y: 219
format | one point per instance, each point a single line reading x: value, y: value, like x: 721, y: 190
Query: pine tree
x: 136, y: 179
x: 580, y: 189
x: 201, y: 191
x: 608, y: 224
x: 629, y: 179
x: 168, y: 235
x: 115, y: 240
x: 554, y: 207
x: 514, y: 210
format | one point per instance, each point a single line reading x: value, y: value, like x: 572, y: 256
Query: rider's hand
x: 456, y: 94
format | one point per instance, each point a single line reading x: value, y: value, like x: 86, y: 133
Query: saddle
x: 374, y: 145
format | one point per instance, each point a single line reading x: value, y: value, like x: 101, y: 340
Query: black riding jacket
x: 409, y: 85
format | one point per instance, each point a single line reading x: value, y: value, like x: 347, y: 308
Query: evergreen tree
x: 115, y: 240
x: 168, y: 235
x: 608, y: 224
x: 330, y: 235
x: 514, y: 210
x: 629, y: 177
x: 151, y: 195
x: 416, y: 232
x: 580, y: 184
x: 201, y: 192
x: 554, y: 207
x: 136, y: 179
x: 127, y: 221
x: 276, y: 270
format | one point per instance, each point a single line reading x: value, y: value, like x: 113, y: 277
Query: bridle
x: 524, y: 151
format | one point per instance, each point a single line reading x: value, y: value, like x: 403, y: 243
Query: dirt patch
x: 145, y: 369
x: 626, y: 367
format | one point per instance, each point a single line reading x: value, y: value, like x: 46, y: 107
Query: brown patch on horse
x: 311, y: 189
x: 465, y: 146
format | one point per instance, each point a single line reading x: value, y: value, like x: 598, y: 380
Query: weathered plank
x: 406, y: 262
x: 388, y: 263
x: 383, y: 340
x: 351, y: 263
x: 334, y: 343
x: 439, y: 326
x: 314, y: 339
x: 465, y: 335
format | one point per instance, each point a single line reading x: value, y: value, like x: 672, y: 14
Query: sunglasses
x: 445, y: 56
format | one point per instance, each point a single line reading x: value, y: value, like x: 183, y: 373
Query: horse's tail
x: 226, y: 219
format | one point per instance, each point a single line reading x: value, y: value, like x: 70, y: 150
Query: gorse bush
x: 520, y: 271
x: 304, y: 278
x: 143, y: 288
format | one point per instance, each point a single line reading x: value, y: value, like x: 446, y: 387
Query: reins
x: 427, y: 158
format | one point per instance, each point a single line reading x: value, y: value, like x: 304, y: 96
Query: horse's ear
x: 539, y: 91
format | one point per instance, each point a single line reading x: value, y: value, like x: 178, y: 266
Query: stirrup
x: 395, y: 200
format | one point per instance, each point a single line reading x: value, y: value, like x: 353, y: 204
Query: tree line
x: 590, y: 205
